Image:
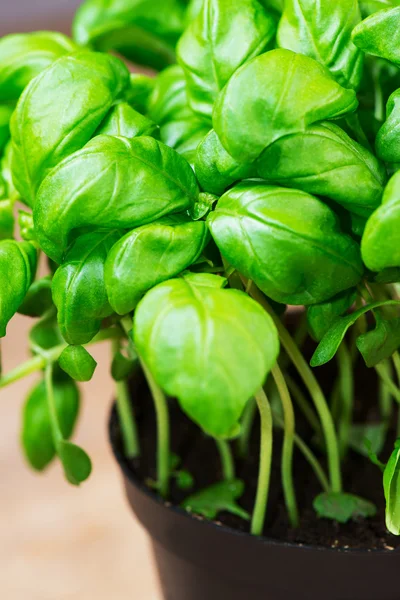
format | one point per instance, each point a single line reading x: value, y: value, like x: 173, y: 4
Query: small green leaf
x: 373, y: 456
x: 220, y: 497
x: 123, y: 120
x: 77, y: 363
x: 122, y: 366
x: 77, y: 464
x: 365, y: 438
x: 391, y: 486
x: 139, y: 91
x: 36, y: 435
x: 38, y: 299
x: 45, y: 334
x: 331, y: 341
x: 320, y: 317
x: 26, y: 225
x: 203, y: 206
x: 342, y: 507
x: 184, y: 480
x: 380, y: 343
x: 223, y: 347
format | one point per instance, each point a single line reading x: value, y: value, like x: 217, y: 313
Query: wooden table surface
x: 59, y: 542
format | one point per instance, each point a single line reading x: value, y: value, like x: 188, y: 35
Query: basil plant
x: 181, y: 214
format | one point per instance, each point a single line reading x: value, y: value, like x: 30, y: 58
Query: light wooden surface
x: 59, y: 542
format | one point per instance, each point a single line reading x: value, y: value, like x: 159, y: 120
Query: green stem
x: 314, y: 389
x: 228, y: 465
x: 303, y: 403
x: 308, y: 455
x: 392, y: 387
x: 396, y: 362
x: 264, y: 473
x: 130, y: 437
x: 346, y: 382
x: 246, y: 427
x: 38, y: 363
x: 288, y: 444
x: 163, y: 433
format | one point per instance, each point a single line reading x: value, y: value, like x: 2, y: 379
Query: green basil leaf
x: 380, y: 248
x: 36, y: 434
x: 379, y: 35
x: 303, y: 29
x: 379, y: 343
x: 26, y: 226
x: 6, y: 219
x: 123, y: 120
x: 38, y: 299
x: 149, y: 255
x: 389, y: 275
x: 325, y: 161
x: 59, y: 112
x: 387, y: 139
x: 368, y: 7
x: 18, y: 262
x: 391, y: 486
x: 220, y: 497
x: 6, y: 174
x: 79, y: 290
x: 122, y: 366
x: 184, y: 133
x: 145, y: 31
x: 5, y: 115
x: 45, y: 334
x: 111, y: 183
x: 169, y: 98
x: 342, y: 507
x: 139, y: 91
x: 288, y: 242
x: 215, y: 169
x: 320, y: 317
x: 217, y: 43
x: 25, y: 55
x: 256, y: 106
x: 77, y: 363
x: 216, y: 359
x: 331, y: 341
x: 77, y: 464
x: 276, y: 5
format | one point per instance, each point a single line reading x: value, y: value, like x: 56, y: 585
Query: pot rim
x: 203, y: 522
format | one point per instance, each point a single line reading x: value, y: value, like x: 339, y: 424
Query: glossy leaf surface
x: 379, y: 35
x: 149, y: 255
x: 391, y: 486
x: 257, y: 105
x: 79, y: 291
x: 111, y: 183
x: 223, y: 347
x: 25, y: 55
x: 18, y: 261
x: 36, y: 434
x: 320, y: 317
x: 139, y: 91
x: 38, y: 299
x: 77, y: 363
x: 59, y: 112
x: 217, y: 43
x: 380, y: 244
x: 287, y: 242
x: 322, y: 30
x: 123, y: 120
x: 325, y: 161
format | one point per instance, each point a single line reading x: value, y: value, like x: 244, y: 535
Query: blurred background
x: 59, y: 542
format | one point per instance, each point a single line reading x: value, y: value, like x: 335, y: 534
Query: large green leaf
x: 215, y: 169
x: 388, y: 138
x: 149, y: 255
x: 222, y: 348
x: 322, y: 30
x: 111, y: 183
x: 325, y: 161
x: 18, y: 261
x: 79, y: 290
x: 274, y: 95
x: 25, y: 55
x: 391, y: 486
x: 59, y: 112
x: 368, y: 7
x: 145, y: 31
x: 217, y: 43
x: 380, y: 243
x: 379, y: 35
x: 288, y: 242
x: 36, y: 435
x: 168, y: 98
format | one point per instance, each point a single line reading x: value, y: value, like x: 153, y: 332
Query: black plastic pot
x: 199, y: 560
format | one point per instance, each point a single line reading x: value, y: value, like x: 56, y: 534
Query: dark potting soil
x: 199, y: 456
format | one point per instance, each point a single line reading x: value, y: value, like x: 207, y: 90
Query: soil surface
x: 199, y: 456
